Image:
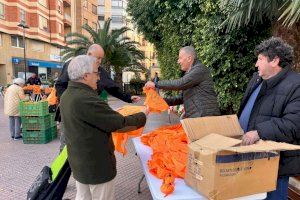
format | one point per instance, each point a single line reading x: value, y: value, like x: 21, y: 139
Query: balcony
x: 67, y: 20
x: 67, y: 3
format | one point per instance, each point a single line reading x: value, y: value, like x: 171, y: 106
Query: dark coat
x: 198, y: 95
x: 88, y: 123
x: 34, y: 81
x: 276, y: 114
x: 105, y: 83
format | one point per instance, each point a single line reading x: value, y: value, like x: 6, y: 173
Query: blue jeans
x: 281, y: 191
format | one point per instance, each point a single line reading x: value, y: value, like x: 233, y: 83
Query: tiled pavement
x: 20, y: 163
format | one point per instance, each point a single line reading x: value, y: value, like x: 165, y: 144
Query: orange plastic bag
x: 155, y: 102
x: 169, y: 158
x: 120, y: 139
x: 52, y: 98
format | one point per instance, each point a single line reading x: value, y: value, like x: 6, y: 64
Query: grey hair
x: 19, y: 81
x: 79, y: 66
x: 190, y: 51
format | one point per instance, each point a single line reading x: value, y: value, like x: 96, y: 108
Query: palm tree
x: 244, y: 12
x: 284, y: 16
x: 120, y: 51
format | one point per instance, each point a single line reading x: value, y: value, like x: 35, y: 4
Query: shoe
x: 12, y: 137
x: 18, y: 138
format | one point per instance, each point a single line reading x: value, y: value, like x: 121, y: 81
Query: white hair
x: 19, y: 81
x: 79, y: 66
x: 189, y: 50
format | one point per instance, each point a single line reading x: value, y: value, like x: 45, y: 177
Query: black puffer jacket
x: 105, y: 83
x: 198, y: 95
x: 276, y: 114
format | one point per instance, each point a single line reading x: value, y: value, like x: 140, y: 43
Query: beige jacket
x: 12, y: 97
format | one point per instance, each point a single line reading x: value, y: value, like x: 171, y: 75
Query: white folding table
x: 182, y: 191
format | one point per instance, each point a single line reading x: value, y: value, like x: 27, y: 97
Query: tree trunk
x: 118, y: 76
x: 291, y: 36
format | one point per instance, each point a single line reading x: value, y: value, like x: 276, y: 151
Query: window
x: 117, y: 18
x: 101, y: 17
x: 101, y: 2
x: 22, y: 16
x: 117, y: 4
x: 85, y: 21
x: 17, y: 41
x: 60, y: 29
x: 85, y: 4
x: 94, y: 26
x: 59, y: 7
x: 43, y: 23
x: 44, y: 3
x: 94, y: 9
x: 2, y: 13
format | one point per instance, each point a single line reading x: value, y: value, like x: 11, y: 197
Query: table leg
x: 139, y: 186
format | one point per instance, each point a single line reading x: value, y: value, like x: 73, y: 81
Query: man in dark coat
x: 89, y: 122
x: 198, y: 95
x: 270, y: 109
x: 33, y: 80
x: 105, y: 82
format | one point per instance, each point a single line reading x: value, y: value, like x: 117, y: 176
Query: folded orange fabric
x: 120, y: 139
x: 169, y: 158
x: 154, y: 101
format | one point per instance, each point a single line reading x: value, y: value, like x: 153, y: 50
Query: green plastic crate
x: 28, y: 108
x: 53, y: 131
x: 36, y: 137
x: 36, y: 123
x: 52, y: 120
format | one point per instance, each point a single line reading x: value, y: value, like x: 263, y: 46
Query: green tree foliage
x: 171, y: 24
x: 120, y: 51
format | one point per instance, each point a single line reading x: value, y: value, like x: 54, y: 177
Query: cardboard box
x: 220, y: 168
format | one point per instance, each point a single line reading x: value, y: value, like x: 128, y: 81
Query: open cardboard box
x: 220, y: 168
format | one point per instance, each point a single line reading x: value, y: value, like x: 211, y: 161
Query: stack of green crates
x: 37, y: 124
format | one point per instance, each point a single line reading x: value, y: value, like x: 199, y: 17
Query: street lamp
x: 24, y: 26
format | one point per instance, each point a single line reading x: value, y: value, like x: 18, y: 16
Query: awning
x: 37, y: 63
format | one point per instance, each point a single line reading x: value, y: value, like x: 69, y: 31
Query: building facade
x: 43, y: 24
x: 116, y: 10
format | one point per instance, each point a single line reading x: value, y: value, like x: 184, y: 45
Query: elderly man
x: 34, y: 80
x: 270, y: 109
x: 89, y: 122
x: 106, y: 83
x: 198, y: 95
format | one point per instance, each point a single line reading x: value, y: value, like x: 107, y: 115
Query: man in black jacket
x: 105, y: 83
x: 270, y: 109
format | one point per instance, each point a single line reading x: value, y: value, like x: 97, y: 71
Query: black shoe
x: 18, y: 138
x: 12, y: 137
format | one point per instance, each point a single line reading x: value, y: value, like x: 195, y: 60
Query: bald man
x: 105, y: 83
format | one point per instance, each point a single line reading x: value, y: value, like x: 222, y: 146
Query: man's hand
x: 146, y: 110
x: 250, y: 138
x: 150, y: 84
x: 135, y: 99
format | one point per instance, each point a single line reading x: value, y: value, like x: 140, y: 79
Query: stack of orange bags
x: 169, y: 158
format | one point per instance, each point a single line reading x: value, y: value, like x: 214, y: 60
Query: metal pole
x: 25, y: 63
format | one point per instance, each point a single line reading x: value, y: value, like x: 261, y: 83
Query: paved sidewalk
x: 20, y: 163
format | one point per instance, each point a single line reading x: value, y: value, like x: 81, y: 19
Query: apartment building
x: 46, y: 23
x: 116, y: 10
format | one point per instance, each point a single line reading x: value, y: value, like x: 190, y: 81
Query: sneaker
x: 18, y: 138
